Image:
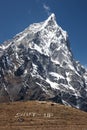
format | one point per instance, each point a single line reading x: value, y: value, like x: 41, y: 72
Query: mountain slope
x: 38, y: 64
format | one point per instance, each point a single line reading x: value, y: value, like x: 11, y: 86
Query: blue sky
x: 71, y: 15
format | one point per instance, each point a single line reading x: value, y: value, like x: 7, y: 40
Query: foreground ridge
x: 41, y: 115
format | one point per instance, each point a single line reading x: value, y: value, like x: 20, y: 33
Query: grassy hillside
x: 35, y: 115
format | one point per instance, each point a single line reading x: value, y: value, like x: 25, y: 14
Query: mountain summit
x: 37, y: 64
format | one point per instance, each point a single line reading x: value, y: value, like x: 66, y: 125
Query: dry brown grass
x: 35, y: 115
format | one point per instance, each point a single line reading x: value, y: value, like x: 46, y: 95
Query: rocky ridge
x: 38, y: 64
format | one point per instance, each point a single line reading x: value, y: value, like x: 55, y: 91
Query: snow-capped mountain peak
x: 52, y: 17
x: 51, y: 20
x: 38, y: 64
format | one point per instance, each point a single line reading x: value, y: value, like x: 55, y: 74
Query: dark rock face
x: 37, y: 64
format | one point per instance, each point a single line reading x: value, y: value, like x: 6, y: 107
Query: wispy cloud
x: 47, y: 9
